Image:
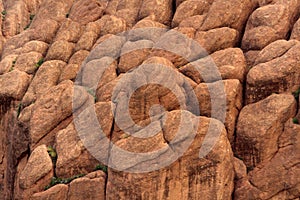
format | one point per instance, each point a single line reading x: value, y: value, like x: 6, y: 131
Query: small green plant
x: 31, y: 17
x: 249, y: 168
x: 14, y: 62
x: 238, y: 156
x: 296, y: 93
x: 13, y: 65
x: 295, y: 121
x: 27, y: 26
x: 56, y: 180
x: 52, y: 153
x: 102, y: 168
x: 124, y: 136
x: 20, y: 108
x: 39, y: 63
x: 3, y: 13
x: 91, y: 92
x: 30, y: 21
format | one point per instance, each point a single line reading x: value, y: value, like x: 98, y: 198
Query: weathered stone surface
x: 15, y: 19
x: 91, y: 186
x: 25, y: 114
x: 10, y: 46
x: 94, y: 27
x: 69, y: 31
x: 60, y: 50
x: 33, y: 6
x: 245, y: 190
x: 259, y: 37
x: 69, y: 72
x: 240, y: 169
x: 18, y: 191
x: 27, y: 62
x: 124, y: 4
x: 188, y: 9
x: 78, y: 57
x: 210, y: 94
x: 112, y: 25
x: 279, y: 178
x: 73, y: 157
x: 38, y: 167
x: 46, y: 77
x: 49, y: 139
x: 213, y: 174
x: 229, y: 63
x: 296, y: 31
x: 232, y: 13
x: 133, y: 54
x: 161, y: 10
x: 269, y: 23
x: 86, y: 41
x: 217, y: 39
x: 14, y: 84
x: 194, y: 21
x: 147, y: 29
x: 259, y: 127
x: 53, y: 10
x: 130, y: 15
x: 14, y: 145
x: 108, y: 46
x: 84, y: 11
x: 45, y: 30
x: 104, y: 93
x: 36, y: 46
x: 274, y: 50
x: 7, y: 62
x: 144, y: 23
x: 112, y: 6
x: 59, y: 191
x: 50, y: 109
x: 95, y: 72
x: 250, y: 57
x: 254, y: 45
x: 159, y: 61
x: 146, y: 87
x: 178, y: 48
x: 276, y: 76
x: 187, y: 31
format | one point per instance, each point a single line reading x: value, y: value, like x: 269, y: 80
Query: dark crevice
x: 244, y: 92
x: 108, y: 156
x: 173, y: 9
x: 288, y: 34
x: 53, y: 129
x: 233, y: 145
x: 16, y: 136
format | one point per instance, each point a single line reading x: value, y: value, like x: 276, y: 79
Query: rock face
x: 276, y: 178
x: 50, y: 110
x: 279, y: 74
x: 37, y: 172
x: 57, y: 192
x: 14, y: 84
x: 259, y: 127
x: 149, y: 99
x: 208, y: 177
x: 90, y: 186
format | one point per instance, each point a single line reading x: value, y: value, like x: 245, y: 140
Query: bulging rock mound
x: 150, y: 99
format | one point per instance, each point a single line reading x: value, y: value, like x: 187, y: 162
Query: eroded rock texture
x: 149, y: 99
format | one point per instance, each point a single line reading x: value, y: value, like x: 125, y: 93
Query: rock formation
x: 150, y: 99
